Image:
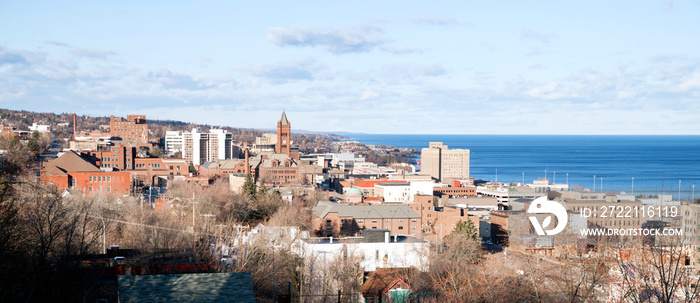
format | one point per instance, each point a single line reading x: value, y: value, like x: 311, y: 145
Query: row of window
x: 156, y: 165
x: 100, y: 179
x: 99, y: 188
x: 385, y: 220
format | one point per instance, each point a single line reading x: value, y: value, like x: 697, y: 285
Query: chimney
x: 74, y: 126
x: 247, y: 162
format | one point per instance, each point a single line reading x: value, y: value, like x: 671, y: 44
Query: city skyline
x: 391, y: 67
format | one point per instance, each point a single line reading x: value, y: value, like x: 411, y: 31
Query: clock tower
x: 284, y: 136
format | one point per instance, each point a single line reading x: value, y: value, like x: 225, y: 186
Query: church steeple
x: 284, y: 120
x: 284, y: 136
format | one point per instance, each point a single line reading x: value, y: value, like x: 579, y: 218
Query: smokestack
x: 75, y: 127
x: 247, y: 162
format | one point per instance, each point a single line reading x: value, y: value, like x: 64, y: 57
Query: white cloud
x: 56, y: 43
x: 283, y: 72
x: 367, y: 95
x: 92, y: 53
x: 402, y: 49
x: 357, y: 39
x: 690, y: 84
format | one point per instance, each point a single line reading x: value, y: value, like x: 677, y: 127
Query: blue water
x: 656, y: 163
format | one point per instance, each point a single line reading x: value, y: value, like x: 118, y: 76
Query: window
x: 413, y: 227
x: 400, y: 220
x: 171, y: 167
x: 359, y: 220
x: 90, y: 178
x: 400, y: 227
x: 387, y: 220
x: 414, y: 220
x: 109, y: 189
x: 374, y: 221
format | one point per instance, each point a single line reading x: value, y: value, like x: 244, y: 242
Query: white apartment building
x: 210, y: 146
x: 173, y: 142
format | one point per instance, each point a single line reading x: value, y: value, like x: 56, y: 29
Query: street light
x: 104, y: 239
x: 593, y: 183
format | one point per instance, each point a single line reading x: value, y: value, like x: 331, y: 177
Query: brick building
x: 71, y: 171
x: 134, y: 128
x: 334, y: 219
x: 438, y: 222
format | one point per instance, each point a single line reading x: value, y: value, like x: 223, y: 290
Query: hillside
x: 21, y: 120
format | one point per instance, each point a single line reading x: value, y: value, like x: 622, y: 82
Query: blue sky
x: 443, y: 67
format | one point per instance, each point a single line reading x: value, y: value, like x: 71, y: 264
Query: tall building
x: 210, y: 146
x: 442, y: 163
x: 173, y: 142
x: 134, y: 128
x: 284, y: 136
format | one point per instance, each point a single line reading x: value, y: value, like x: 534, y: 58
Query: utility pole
x: 104, y: 239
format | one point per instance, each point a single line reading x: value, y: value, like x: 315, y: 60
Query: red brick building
x: 71, y: 171
x: 134, y: 128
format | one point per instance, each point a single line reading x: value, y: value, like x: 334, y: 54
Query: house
x: 387, y: 285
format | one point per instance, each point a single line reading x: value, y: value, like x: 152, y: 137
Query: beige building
x: 442, y: 163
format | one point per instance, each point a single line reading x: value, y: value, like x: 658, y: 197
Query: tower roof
x: 284, y: 120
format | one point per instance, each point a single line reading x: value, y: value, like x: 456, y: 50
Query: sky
x: 384, y: 67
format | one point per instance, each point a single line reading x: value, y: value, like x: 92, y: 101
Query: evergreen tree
x: 262, y: 191
x: 249, y: 188
x: 34, y: 144
x: 466, y: 228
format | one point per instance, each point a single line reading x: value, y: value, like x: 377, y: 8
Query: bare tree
x: 658, y: 272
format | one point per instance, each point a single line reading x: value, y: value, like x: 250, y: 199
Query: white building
x: 404, y: 192
x: 210, y: 146
x: 40, y: 128
x: 391, y: 252
x: 173, y: 142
